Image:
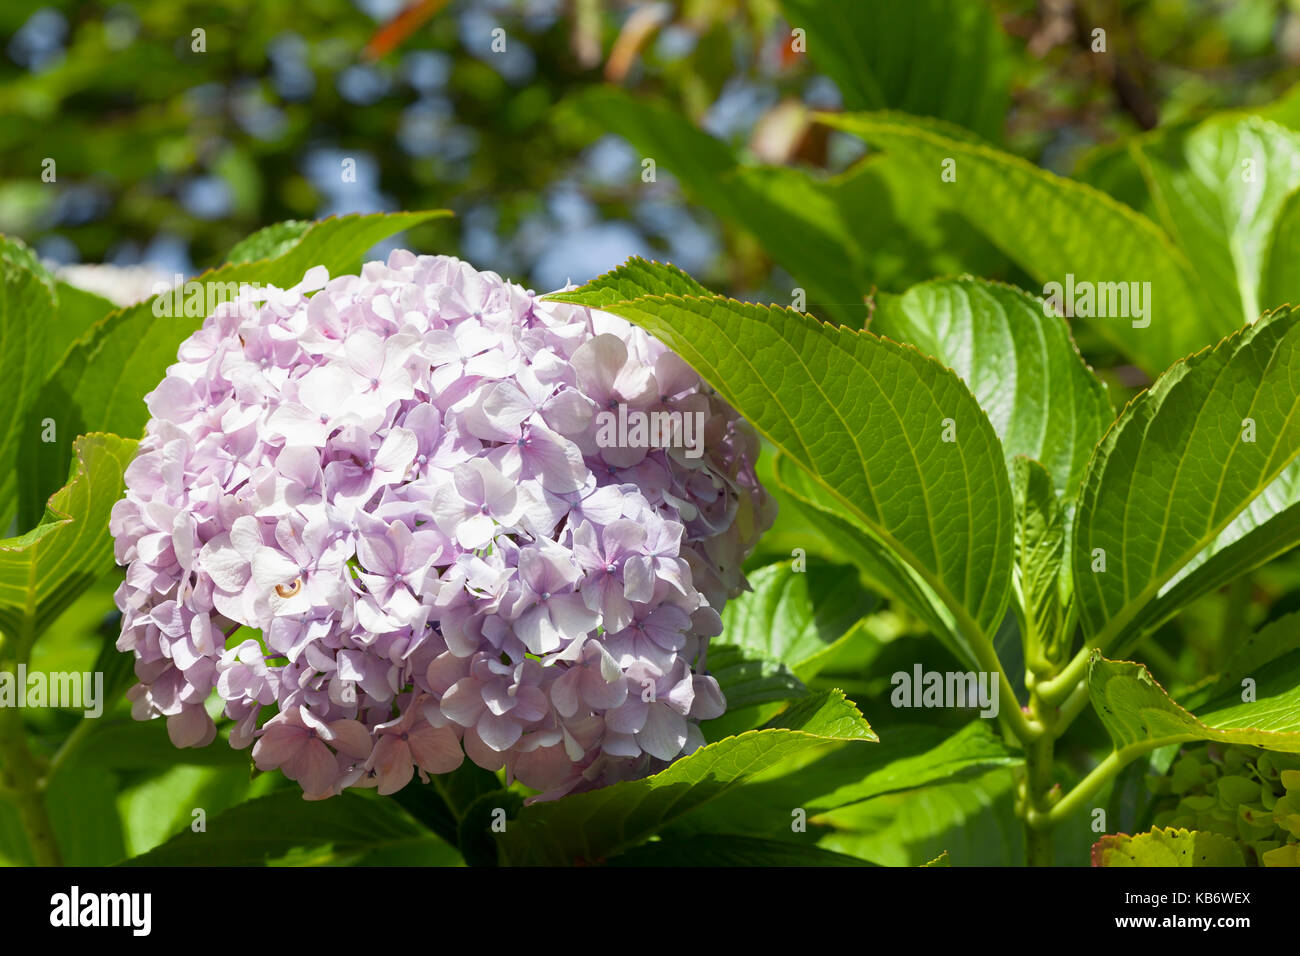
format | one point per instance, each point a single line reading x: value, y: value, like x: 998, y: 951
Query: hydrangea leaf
x: 893, y: 436
x: 1043, y: 583
x: 1168, y: 847
x: 124, y: 744
x: 595, y: 826
x: 749, y: 676
x: 40, y: 317
x: 1054, y: 227
x: 1269, y: 526
x: 1287, y: 855
x: 907, y: 235
x: 443, y: 803
x: 1185, y: 483
x: 1280, y: 284
x: 1019, y: 362
x: 42, y: 571
x: 101, y: 384
x: 254, y: 832
x: 795, y: 616
x: 75, y: 309
x: 83, y: 812
x: 973, y: 820
x: 1140, y: 715
x: 1219, y: 189
x: 1251, y: 653
x: 711, y: 849
x: 27, y: 316
x: 477, y: 826
x: 943, y: 58
x: 908, y: 757
x: 878, y: 564
x: 269, y: 242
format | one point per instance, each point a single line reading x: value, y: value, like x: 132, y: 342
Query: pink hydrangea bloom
x: 376, y: 515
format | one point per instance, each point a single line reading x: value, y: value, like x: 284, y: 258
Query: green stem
x: 69, y: 746
x: 1070, y: 709
x: 1054, y: 692
x: 1038, y: 786
x: 21, y: 776
x: 1012, y: 717
x: 1100, y: 775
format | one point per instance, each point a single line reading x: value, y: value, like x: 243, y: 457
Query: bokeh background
x: 165, y: 156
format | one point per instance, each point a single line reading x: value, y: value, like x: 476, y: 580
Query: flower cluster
x: 378, y: 509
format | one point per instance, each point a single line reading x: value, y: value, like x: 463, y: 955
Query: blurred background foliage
x: 166, y: 155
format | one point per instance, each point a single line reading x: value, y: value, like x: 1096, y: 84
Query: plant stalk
x: 21, y: 776
x: 1036, y: 797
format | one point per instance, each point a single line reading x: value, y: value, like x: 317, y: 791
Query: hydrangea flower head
x: 382, y: 517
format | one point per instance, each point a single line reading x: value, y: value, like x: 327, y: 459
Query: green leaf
x: 943, y: 58
x: 1267, y: 528
x: 1168, y: 847
x: 478, y: 833
x: 42, y: 571
x: 1053, y: 228
x: 15, y: 252
x: 866, y: 418
x: 1182, y: 466
x: 418, y: 851
x: 1139, y: 715
x: 124, y: 744
x: 26, y: 318
x: 731, y: 850
x: 102, y: 383
x: 40, y: 318
x: 1018, y: 361
x: 974, y: 821
x: 1255, y: 651
x: 269, y: 242
x: 442, y: 803
x: 1043, y: 583
x: 975, y: 748
x: 597, y: 825
x: 908, y: 757
x: 78, y: 309
x: 1218, y: 191
x: 254, y: 832
x: 161, y: 805
x: 75, y: 310
x: 1280, y: 284
x: 795, y: 616
x: 749, y: 676
x: 906, y: 235
x: 878, y: 565
x: 83, y: 812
